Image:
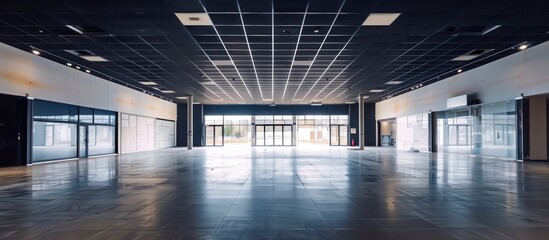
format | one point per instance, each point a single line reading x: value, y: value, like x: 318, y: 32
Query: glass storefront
x: 62, y: 131
x: 482, y: 130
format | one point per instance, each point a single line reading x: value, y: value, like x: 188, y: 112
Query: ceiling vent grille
x: 472, y: 54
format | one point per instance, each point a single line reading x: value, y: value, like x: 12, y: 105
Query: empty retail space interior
x: 274, y: 119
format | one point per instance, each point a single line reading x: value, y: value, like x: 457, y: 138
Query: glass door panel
x: 334, y: 135
x: 288, y: 135
x: 343, y: 136
x: 259, y: 135
x: 209, y: 135
x: 278, y: 135
x: 269, y: 135
x: 218, y: 133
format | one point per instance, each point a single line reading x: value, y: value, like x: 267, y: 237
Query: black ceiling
x: 145, y: 41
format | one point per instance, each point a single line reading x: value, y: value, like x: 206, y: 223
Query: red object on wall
x: 352, y: 142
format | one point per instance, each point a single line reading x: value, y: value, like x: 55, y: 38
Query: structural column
x: 361, y: 121
x: 190, y: 122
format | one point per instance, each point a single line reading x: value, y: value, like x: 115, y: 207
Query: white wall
x: 24, y: 73
x: 523, y: 72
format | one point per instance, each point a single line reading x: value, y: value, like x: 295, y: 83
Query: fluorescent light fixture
x: 303, y: 63
x: 167, y: 91
x: 36, y: 52
x: 149, y: 83
x: 349, y: 102
x: 208, y: 83
x: 491, y: 29
x: 69, y: 64
x: 88, y: 71
x: 93, y: 58
x: 377, y: 90
x: 196, y: 102
x: 380, y: 19
x: 218, y: 100
x: 393, y: 82
x: 181, y: 97
x: 222, y: 62
x: 77, y: 67
x: 365, y: 97
x: 75, y: 28
x: 298, y: 100
x: 272, y: 105
x: 267, y: 99
x: 194, y: 19
x: 316, y: 104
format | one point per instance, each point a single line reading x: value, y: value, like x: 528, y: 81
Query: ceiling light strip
x: 249, y: 50
x: 229, y: 55
x: 295, y: 51
x: 318, y: 51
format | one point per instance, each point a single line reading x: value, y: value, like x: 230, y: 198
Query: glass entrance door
x: 214, y: 135
x: 273, y: 135
x: 338, y: 135
x: 83, y: 141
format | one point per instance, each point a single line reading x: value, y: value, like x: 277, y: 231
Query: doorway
x: 387, y: 133
x: 338, y: 135
x: 83, y: 139
x: 214, y: 135
x: 273, y: 135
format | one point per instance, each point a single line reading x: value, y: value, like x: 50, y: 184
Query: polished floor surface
x: 276, y: 193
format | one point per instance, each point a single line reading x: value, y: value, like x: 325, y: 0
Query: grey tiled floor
x: 276, y: 193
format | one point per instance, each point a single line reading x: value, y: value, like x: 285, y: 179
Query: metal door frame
x: 265, y: 136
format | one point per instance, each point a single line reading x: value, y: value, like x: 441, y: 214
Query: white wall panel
x: 23, y: 73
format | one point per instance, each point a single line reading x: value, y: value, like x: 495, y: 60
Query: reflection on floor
x: 276, y: 193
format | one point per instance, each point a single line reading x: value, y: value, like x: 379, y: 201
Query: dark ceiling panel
x: 320, y: 53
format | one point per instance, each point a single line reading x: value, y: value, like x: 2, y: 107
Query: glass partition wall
x: 482, y: 130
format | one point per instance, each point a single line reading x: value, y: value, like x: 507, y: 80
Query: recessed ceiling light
x: 69, y: 64
x: 523, y: 46
x: 194, y: 19
x: 149, y: 83
x: 181, y: 97
x: 459, y: 70
x: 167, y: 91
x: 377, y: 90
x: 380, y: 19
x: 303, y: 63
x: 393, y: 82
x: 93, y: 58
x: 222, y: 62
x: 88, y: 71
x: 36, y: 52
x: 316, y: 30
x: 77, y: 67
